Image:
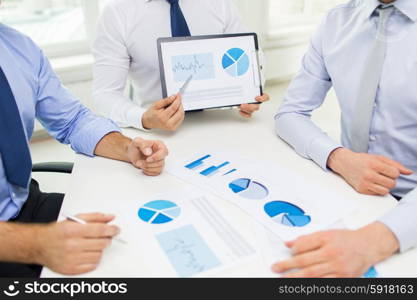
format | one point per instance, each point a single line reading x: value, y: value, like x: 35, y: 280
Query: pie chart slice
x: 236, y: 62
x: 159, y: 212
x: 236, y: 53
x: 242, y: 65
x: 172, y: 212
x: 227, y: 61
x: 232, y: 70
x: 295, y: 221
x: 287, y: 214
x: 249, y: 189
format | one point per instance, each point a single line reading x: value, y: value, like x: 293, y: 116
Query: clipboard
x: 225, y: 69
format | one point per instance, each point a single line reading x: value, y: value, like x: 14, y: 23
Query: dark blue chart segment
x: 197, y: 163
x: 249, y: 189
x: 159, y: 212
x: 288, y: 214
x: 214, y: 169
x: 236, y: 62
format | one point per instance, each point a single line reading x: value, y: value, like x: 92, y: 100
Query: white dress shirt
x: 336, y: 58
x: 126, y: 46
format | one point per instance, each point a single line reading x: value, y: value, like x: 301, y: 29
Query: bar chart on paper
x: 205, y: 166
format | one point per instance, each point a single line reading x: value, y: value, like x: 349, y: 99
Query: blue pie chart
x: 249, y: 189
x: 288, y: 214
x: 159, y: 212
x: 236, y: 62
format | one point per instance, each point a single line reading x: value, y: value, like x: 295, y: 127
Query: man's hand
x: 338, y: 253
x: 246, y: 110
x: 70, y: 248
x: 167, y: 114
x: 366, y: 173
x: 147, y: 155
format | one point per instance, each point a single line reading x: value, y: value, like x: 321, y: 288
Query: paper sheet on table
x: 187, y: 234
x: 284, y: 202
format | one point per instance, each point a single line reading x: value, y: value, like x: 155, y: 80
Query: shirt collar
x: 407, y: 7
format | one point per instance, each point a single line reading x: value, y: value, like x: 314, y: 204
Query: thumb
x: 165, y: 102
x: 144, y: 146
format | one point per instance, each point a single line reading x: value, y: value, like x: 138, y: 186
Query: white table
x: 103, y: 185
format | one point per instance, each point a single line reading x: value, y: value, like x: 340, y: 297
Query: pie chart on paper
x: 287, y: 214
x: 236, y: 62
x: 159, y: 212
x: 249, y: 189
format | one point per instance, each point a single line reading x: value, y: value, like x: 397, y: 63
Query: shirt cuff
x: 87, y: 140
x: 320, y: 150
x: 402, y: 221
x: 134, y: 117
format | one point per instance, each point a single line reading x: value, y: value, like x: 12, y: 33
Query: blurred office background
x: 65, y: 29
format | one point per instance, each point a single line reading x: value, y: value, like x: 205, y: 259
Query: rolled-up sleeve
x: 64, y: 117
x: 402, y: 221
x: 306, y: 93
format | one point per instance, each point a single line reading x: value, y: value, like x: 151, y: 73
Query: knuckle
x: 362, y: 188
x: 368, y: 175
x: 99, y: 230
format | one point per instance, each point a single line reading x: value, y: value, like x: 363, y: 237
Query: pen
x: 79, y: 221
x: 184, y: 87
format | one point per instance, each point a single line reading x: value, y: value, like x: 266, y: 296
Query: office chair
x: 53, y: 167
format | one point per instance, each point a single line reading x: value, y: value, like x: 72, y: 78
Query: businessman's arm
x: 111, y: 69
x: 143, y: 154
x: 65, y: 247
x: 306, y: 93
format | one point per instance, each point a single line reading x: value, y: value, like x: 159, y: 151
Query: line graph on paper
x: 199, y: 65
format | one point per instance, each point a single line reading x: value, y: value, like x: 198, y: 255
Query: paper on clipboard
x: 225, y: 69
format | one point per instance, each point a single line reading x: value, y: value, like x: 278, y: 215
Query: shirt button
x: 372, y: 138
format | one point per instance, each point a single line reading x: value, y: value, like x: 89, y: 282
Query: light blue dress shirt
x: 336, y: 58
x: 39, y: 94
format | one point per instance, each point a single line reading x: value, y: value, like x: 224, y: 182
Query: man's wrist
x: 335, y: 159
x: 145, y: 122
x: 24, y: 244
x: 380, y: 240
x: 37, y: 243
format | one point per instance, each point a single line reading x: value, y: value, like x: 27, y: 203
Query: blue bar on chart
x: 230, y: 172
x: 213, y: 169
x: 197, y: 163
